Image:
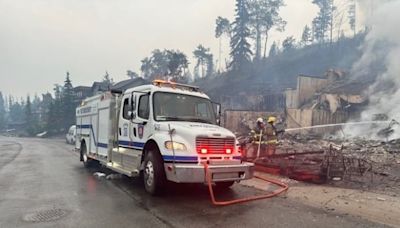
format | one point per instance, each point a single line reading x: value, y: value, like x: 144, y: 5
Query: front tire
x: 154, y: 174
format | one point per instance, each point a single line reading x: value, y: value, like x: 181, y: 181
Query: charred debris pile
x: 357, y: 163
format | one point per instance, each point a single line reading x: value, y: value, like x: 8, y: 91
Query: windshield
x: 180, y: 107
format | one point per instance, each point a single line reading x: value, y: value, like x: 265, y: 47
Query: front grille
x: 215, y: 145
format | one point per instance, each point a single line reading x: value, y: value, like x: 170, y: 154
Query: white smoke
x: 382, y: 44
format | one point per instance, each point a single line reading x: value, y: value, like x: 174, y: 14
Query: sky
x: 42, y: 39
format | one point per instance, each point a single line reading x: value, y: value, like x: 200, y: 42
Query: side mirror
x: 132, y: 115
x: 217, y: 110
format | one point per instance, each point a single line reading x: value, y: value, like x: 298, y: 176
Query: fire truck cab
x: 164, y: 131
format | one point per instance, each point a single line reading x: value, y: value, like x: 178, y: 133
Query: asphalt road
x: 43, y: 184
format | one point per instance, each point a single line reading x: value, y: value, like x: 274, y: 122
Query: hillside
x: 274, y: 74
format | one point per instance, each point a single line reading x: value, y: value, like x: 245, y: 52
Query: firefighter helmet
x: 271, y: 119
x: 260, y: 120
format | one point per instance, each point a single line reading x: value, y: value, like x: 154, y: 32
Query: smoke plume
x: 381, y: 57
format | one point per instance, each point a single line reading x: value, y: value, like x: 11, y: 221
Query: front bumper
x: 195, y: 173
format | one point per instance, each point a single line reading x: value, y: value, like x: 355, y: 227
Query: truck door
x: 141, y: 127
x: 125, y: 123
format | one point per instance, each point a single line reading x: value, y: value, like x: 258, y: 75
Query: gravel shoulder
x: 376, y: 207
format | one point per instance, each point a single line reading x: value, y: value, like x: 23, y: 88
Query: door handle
x: 134, y: 131
x: 119, y: 131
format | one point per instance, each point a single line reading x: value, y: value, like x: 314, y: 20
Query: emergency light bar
x: 161, y: 83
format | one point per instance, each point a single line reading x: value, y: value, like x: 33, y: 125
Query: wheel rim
x: 149, y: 173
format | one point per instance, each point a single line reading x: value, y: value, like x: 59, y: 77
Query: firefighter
x: 258, y: 138
x: 272, y: 135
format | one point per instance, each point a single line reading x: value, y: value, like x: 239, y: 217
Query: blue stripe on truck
x: 103, y: 145
x: 89, y: 126
x: 131, y: 144
x: 180, y: 158
x: 140, y: 145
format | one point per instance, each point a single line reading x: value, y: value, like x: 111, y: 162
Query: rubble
x: 99, y: 175
x: 380, y: 117
x: 358, y: 163
x: 388, y: 131
x: 380, y: 199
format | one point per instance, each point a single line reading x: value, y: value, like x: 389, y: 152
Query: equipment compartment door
x: 103, y: 123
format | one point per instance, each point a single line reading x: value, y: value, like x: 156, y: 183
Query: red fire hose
x: 284, y: 187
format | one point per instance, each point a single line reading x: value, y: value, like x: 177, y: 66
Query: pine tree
x: 131, y: 74
x: 177, y: 64
x: 52, y: 121
x: 10, y: 102
x: 352, y: 15
x: 57, y: 91
x: 273, y: 51
x: 2, y: 112
x: 16, y: 113
x: 29, y: 117
x: 223, y: 27
x: 55, y: 114
x: 210, y: 65
x: 205, y: 62
x: 107, y: 80
x: 240, y: 47
x: 264, y: 15
x: 306, y: 36
x: 289, y: 43
x: 68, y: 103
x: 165, y: 63
x: 324, y: 20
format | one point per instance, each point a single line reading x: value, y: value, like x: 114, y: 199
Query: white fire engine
x: 165, y: 131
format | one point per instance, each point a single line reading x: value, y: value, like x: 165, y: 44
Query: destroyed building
x: 315, y: 100
x: 330, y: 99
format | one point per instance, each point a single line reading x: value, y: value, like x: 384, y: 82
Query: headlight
x: 177, y: 146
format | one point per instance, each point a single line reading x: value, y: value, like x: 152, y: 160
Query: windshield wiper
x: 188, y: 119
x: 199, y: 120
x: 170, y: 118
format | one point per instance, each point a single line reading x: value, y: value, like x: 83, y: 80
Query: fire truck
x: 161, y: 132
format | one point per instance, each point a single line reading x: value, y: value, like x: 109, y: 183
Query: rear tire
x: 87, y: 162
x: 154, y: 178
x: 223, y: 185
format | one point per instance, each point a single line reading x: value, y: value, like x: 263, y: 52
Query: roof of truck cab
x: 153, y: 88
